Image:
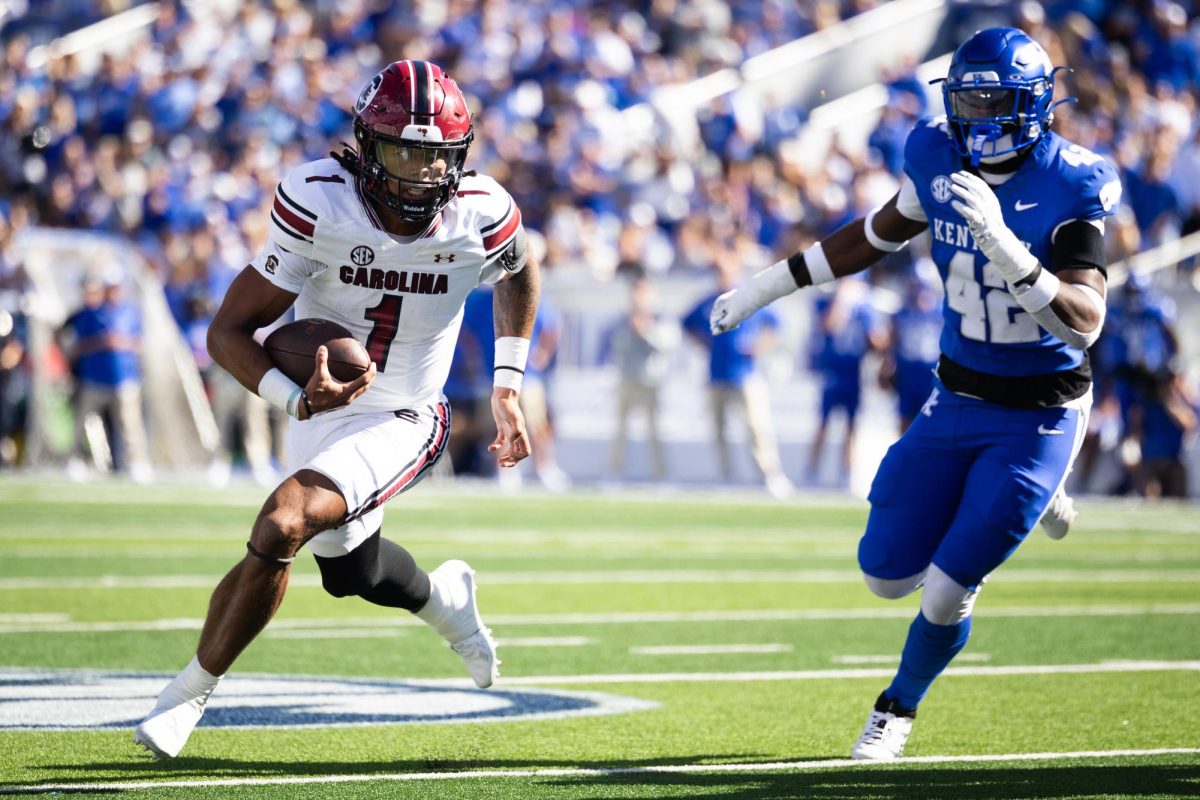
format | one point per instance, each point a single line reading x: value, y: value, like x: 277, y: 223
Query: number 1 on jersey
x: 386, y: 317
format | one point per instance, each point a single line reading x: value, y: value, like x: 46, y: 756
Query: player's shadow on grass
x: 953, y: 782
x: 950, y: 782
x: 142, y: 766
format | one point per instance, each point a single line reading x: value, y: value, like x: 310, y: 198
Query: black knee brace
x: 379, y: 571
x: 272, y: 560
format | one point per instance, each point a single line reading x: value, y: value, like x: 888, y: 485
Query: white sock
x: 445, y: 598
x: 193, y: 685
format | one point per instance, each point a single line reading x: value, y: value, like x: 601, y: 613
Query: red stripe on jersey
x: 300, y: 224
x: 466, y: 192
x: 433, y: 226
x: 424, y: 461
x: 504, y: 232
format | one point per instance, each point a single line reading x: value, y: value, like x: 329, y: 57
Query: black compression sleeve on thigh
x: 379, y: 571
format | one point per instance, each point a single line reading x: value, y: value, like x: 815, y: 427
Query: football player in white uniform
x: 386, y: 239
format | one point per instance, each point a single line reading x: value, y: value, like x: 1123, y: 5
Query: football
x: 293, y: 349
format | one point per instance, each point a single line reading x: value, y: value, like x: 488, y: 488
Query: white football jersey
x: 401, y: 297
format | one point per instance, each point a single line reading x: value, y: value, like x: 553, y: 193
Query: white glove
x: 979, y: 206
x: 731, y: 308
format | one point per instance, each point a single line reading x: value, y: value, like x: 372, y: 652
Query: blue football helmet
x: 999, y: 91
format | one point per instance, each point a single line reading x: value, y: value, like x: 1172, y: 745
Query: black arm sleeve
x: 1078, y: 245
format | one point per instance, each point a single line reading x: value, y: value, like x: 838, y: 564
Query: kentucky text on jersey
x: 395, y: 281
x: 955, y: 234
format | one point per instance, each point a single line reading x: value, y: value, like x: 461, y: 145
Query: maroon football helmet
x: 413, y: 132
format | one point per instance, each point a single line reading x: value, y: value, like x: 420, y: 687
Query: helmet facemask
x: 991, y: 118
x: 412, y: 178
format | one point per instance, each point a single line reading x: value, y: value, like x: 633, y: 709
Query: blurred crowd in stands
x: 178, y: 143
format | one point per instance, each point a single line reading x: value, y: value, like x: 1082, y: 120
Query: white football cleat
x: 166, y: 729
x: 1059, y: 515
x: 461, y: 624
x: 885, y: 733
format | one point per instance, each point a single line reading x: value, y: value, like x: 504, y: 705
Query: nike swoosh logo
x: 1044, y: 431
x: 1023, y: 206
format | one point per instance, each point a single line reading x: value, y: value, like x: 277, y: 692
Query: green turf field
x: 677, y: 645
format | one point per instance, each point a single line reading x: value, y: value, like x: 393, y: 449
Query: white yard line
x: 617, y: 618
x: 644, y: 577
x: 894, y: 658
x: 841, y: 674
x: 390, y: 632
x: 707, y: 649
x: 543, y: 641
x: 583, y: 772
x: 32, y: 619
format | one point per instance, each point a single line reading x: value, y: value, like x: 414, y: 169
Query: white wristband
x: 279, y: 390
x: 511, y: 354
x: 1038, y: 295
x: 818, y: 265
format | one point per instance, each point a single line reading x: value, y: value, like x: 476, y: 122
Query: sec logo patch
x: 940, y: 187
x: 362, y: 255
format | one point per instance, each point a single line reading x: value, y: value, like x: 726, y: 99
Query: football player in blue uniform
x: 1016, y: 214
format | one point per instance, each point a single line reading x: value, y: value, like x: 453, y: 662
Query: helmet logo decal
x: 362, y: 255
x: 368, y: 93
x: 940, y: 187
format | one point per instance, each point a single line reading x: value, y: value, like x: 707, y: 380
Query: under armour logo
x: 927, y: 409
x: 440, y: 257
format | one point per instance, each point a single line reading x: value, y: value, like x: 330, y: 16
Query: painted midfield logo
x: 70, y: 700
x: 362, y: 255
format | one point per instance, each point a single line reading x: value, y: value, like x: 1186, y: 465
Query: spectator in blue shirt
x: 847, y: 329
x: 1149, y: 192
x: 105, y: 353
x: 734, y: 382
x: 535, y: 402
x: 914, y: 349
x: 1165, y: 420
x: 469, y: 385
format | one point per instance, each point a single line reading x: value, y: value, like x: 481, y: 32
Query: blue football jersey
x: 985, y: 328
